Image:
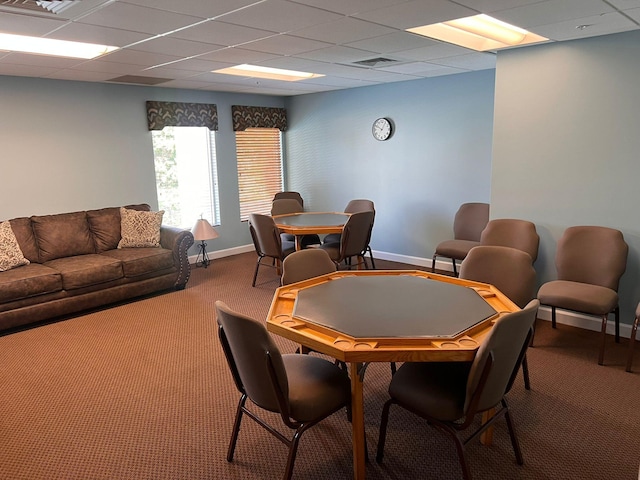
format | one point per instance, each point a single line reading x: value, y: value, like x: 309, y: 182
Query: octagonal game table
x: 307, y: 223
x: 386, y: 316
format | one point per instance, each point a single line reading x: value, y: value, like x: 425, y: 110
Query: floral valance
x: 177, y: 114
x: 258, y: 117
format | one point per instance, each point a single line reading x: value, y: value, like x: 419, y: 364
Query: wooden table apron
x: 321, y: 223
x: 358, y: 351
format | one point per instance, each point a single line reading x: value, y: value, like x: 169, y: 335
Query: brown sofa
x: 76, y: 265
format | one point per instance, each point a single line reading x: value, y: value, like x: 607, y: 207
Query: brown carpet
x: 142, y: 391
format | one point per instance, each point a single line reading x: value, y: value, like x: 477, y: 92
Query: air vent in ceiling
x: 46, y: 7
x: 138, y: 80
x: 376, y: 62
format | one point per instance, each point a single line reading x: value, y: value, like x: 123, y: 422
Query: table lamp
x: 202, y: 231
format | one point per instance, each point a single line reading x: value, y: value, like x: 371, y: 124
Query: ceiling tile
x: 237, y: 56
x: 138, y: 19
x: 351, y: 7
x: 176, y: 47
x: 470, y: 61
x: 416, y: 13
x: 25, y: 70
x: 279, y: 16
x: 432, y: 52
x: 80, y: 76
x: 337, y: 55
x: 625, y: 4
x: 393, y: 42
x: 136, y: 57
x: 343, y: 31
x: 489, y: 6
x: 79, y: 32
x: 26, y: 25
x: 552, y: 11
x: 285, y: 45
x: 596, y: 25
x: 221, y: 33
x: 196, y: 8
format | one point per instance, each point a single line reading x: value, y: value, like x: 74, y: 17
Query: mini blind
x: 259, y: 154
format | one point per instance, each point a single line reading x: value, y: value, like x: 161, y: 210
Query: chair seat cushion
x: 456, y: 249
x: 29, y: 281
x: 579, y: 297
x: 86, y: 270
x: 317, y: 387
x: 332, y: 238
x: 142, y: 260
x: 433, y: 389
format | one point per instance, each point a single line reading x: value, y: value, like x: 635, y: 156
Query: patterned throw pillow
x: 10, y: 254
x: 139, y: 229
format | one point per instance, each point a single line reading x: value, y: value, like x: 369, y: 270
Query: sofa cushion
x: 141, y: 261
x: 28, y: 281
x: 24, y: 234
x: 10, y: 254
x: 139, y: 229
x: 62, y: 235
x: 85, y: 270
x: 105, y: 225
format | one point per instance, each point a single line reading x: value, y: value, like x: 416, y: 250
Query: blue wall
x: 438, y: 157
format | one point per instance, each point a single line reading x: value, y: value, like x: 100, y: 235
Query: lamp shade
x: 203, y: 230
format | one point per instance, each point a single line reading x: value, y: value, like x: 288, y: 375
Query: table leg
x: 486, y: 437
x: 357, y: 421
x: 298, y: 239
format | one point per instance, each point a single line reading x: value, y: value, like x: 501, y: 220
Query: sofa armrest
x: 178, y: 241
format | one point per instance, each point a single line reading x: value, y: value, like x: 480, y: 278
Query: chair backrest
x: 266, y: 235
x: 305, y: 264
x: 470, y: 220
x: 508, y: 269
x: 514, y: 233
x: 250, y: 350
x: 290, y: 195
x: 504, y: 347
x: 359, y: 205
x: 282, y: 206
x: 594, y: 255
x: 356, y: 233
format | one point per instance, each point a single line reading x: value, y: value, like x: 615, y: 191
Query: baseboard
x: 563, y: 317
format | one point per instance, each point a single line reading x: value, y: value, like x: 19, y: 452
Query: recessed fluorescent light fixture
x: 480, y: 32
x: 258, y: 71
x: 50, y: 46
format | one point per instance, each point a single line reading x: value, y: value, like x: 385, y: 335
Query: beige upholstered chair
x: 468, y: 223
x: 508, y: 269
x: 589, y: 262
x: 449, y: 395
x: 302, y: 389
x: 514, y: 233
x: 283, y: 206
x: 353, y: 241
x: 354, y: 206
x: 632, y: 338
x: 267, y: 242
x: 306, y: 264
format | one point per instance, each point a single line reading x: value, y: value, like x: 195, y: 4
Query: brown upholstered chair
x: 283, y: 206
x: 302, y: 389
x: 306, y: 264
x: 508, y: 269
x: 353, y: 242
x: 267, y: 242
x: 354, y: 206
x: 632, y: 338
x: 589, y: 262
x: 468, y: 223
x: 514, y: 233
x: 290, y: 195
x: 449, y: 395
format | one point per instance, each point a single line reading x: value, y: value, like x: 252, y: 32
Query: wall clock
x: 382, y: 129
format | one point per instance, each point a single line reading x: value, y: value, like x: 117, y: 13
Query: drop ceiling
x: 353, y: 43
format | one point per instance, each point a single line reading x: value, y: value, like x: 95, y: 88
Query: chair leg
x: 433, y: 264
x: 512, y: 434
x: 616, y: 314
x: 603, y: 334
x: 455, y: 268
x: 525, y: 372
x: 632, y: 341
x: 384, y: 420
x: 236, y: 428
x: 255, y: 274
x: 393, y: 368
x: 373, y: 263
x: 293, y: 450
x: 553, y: 317
x: 466, y: 474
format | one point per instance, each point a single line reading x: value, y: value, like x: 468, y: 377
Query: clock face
x: 381, y: 129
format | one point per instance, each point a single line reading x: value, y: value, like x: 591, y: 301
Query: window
x: 259, y: 155
x: 186, y: 175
